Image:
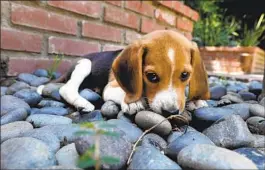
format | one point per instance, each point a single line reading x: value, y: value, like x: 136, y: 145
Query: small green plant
x: 252, y: 37
x: 92, y: 156
x: 55, y: 64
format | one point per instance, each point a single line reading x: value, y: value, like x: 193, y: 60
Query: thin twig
x: 97, y: 152
x: 151, y: 128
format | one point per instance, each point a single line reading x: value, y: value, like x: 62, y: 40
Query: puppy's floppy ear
x: 127, y: 69
x: 198, y: 87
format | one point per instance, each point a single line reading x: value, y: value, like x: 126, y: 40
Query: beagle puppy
x: 150, y: 73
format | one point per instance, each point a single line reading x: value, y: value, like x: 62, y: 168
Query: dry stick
x: 97, y: 152
x: 148, y: 130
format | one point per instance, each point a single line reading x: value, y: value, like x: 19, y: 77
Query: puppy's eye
x: 152, y: 77
x: 184, y: 76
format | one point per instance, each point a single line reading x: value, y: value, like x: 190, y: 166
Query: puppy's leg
x: 196, y: 104
x: 70, y: 90
x: 117, y: 95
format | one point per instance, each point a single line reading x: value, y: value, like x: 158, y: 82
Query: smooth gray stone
x: 67, y: 156
x: 188, y: 138
x: 116, y: 147
x: 14, y: 129
x: 40, y: 120
x: 153, y: 140
x: 245, y: 95
x: 201, y: 156
x: 50, y: 87
x: 3, y: 91
x: 131, y: 131
x: 45, y: 136
x: 60, y: 167
x: 240, y: 109
x: 259, y: 141
x: 233, y: 98
x: 25, y: 153
x: 151, y: 158
x: 9, y: 103
x: 124, y: 117
x: 19, y: 85
x: 41, y: 73
x: 147, y: 119
x: 50, y: 103
x: 175, y: 134
x: 256, y: 125
x: 257, y: 110
x: 59, y: 111
x: 14, y: 115
x: 217, y: 92
x: 39, y: 81
x: 230, y: 132
x: 27, y: 77
x: 110, y: 109
x: 29, y: 96
x: 262, y: 102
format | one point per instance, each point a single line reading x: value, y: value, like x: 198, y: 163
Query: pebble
x: 8, y: 82
x: 233, y: 98
x: 32, y: 79
x: 110, y: 109
x: 132, y: 132
x: 211, y: 103
x: 256, y: 125
x: 60, y: 167
x: 261, y: 150
x: 257, y: 110
x: 93, y: 116
x: 153, y: 140
x: 124, y: 117
x: 29, y: 96
x: 67, y: 156
x: 175, y: 134
x: 34, y: 111
x: 147, y: 119
x: 217, y: 92
x: 92, y: 97
x: 255, y: 87
x: 50, y: 87
x: 50, y: 103
x: 41, y: 73
x: 151, y: 158
x: 254, y: 155
x: 116, y: 147
x: 53, y: 111
x: 262, y: 101
x: 19, y: 85
x: 25, y: 153
x: 229, y: 132
x: 3, y: 91
x: 9, y: 103
x: 188, y: 138
x: 45, y: 136
x: 233, y: 88
x: 56, y: 75
x: 14, y: 115
x: 201, y: 156
x: 14, y: 129
x: 40, y: 120
x: 56, y: 95
x: 259, y: 141
x: 245, y: 95
x: 240, y: 109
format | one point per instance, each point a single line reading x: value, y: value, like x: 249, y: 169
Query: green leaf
x: 84, y: 132
x: 109, y: 160
x: 106, y: 125
x: 114, y: 134
x: 84, y: 163
x: 89, y: 125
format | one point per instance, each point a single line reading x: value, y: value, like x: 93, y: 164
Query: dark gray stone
x: 56, y: 75
x: 110, y: 109
x: 217, y: 92
x: 124, y: 117
x: 3, y: 91
x: 245, y: 95
x: 147, y: 119
x: 59, y: 111
x: 9, y: 103
x: 50, y: 103
x: 240, y: 109
x: 45, y: 136
x: 212, y: 114
x: 40, y: 120
x: 56, y: 95
x: 256, y: 125
x: 257, y: 110
x: 89, y: 117
x: 132, y: 132
x: 29, y: 96
x: 233, y: 97
x: 255, y: 87
x: 175, y: 134
x: 186, y: 139
x: 67, y: 156
x: 25, y: 153
x: 19, y: 85
x: 151, y: 158
x: 254, y: 155
x: 201, y: 156
x: 92, y: 97
x: 116, y: 147
x: 14, y: 115
x: 14, y: 129
x: 153, y: 140
x: 230, y: 132
x: 41, y: 73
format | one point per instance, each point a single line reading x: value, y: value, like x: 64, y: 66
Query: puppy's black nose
x: 171, y: 112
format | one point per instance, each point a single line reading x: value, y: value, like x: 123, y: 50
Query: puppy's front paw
x: 193, y: 105
x: 132, y: 108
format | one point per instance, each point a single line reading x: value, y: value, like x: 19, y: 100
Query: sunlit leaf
x: 88, y: 125
x: 84, y: 163
x: 109, y: 160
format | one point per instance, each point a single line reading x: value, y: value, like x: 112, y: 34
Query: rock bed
x: 39, y: 131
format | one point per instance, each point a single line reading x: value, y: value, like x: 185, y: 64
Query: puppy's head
x: 158, y: 67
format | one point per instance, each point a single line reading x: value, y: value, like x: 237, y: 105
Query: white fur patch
x: 171, y: 55
x: 70, y: 90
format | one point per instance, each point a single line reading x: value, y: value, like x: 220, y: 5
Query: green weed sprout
x: 55, y: 64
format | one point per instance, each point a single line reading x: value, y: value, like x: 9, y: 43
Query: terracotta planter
x: 233, y: 60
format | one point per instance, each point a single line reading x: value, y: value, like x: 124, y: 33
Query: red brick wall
x: 33, y: 32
